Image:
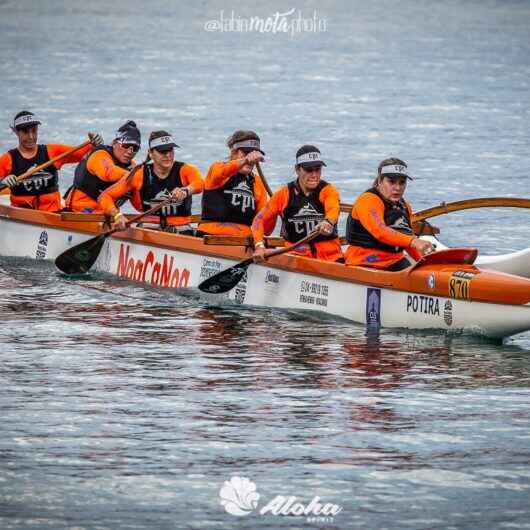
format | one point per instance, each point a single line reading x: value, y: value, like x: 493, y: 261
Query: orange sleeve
x: 267, y: 216
x: 191, y: 176
x: 101, y: 164
x: 370, y: 211
x: 59, y: 149
x: 219, y: 173
x: 107, y: 199
x: 6, y: 164
x: 330, y: 198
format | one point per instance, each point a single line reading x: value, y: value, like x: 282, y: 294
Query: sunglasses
x: 134, y: 147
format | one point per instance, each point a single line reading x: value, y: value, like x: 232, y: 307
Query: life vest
x: 155, y: 190
x: 396, y: 216
x: 304, y: 212
x: 89, y: 183
x: 42, y: 182
x: 234, y: 202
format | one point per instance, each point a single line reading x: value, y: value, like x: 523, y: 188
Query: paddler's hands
x: 120, y: 222
x: 96, y: 139
x: 325, y: 227
x: 422, y: 246
x: 250, y: 160
x: 260, y: 253
x: 10, y: 181
x: 179, y: 194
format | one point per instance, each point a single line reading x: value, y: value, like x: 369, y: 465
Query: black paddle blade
x: 79, y: 259
x: 225, y: 280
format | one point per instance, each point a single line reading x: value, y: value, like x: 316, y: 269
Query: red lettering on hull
x: 151, y: 271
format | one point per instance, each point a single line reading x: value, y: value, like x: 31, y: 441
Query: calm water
x: 128, y: 407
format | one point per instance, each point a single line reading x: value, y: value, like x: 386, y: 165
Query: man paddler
x: 232, y: 192
x: 102, y: 167
x: 41, y: 190
x: 158, y: 179
x: 305, y: 205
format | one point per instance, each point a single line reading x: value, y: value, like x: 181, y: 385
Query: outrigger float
x: 443, y: 291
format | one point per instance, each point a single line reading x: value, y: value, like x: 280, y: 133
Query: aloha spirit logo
x: 239, y: 497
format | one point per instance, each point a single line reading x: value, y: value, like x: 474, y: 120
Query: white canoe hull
x: 269, y: 286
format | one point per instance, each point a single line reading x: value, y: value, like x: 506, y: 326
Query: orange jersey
x: 50, y: 202
x: 265, y: 221
x: 100, y: 164
x: 218, y: 175
x: 369, y: 210
x: 190, y: 177
x: 47, y: 202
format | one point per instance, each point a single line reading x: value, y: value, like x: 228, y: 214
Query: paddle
x: 36, y: 169
x: 227, y: 279
x: 263, y: 179
x: 79, y: 259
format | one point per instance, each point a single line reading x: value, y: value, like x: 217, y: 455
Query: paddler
x: 233, y: 194
x: 305, y: 205
x: 41, y: 190
x: 102, y: 167
x: 160, y: 177
x: 379, y: 227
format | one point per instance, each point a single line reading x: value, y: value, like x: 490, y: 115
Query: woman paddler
x: 233, y: 194
x: 379, y: 227
x: 41, y: 190
x: 102, y: 167
x: 158, y: 179
x: 305, y: 205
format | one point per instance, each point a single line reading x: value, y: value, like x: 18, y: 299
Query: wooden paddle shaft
x: 263, y: 179
x: 36, y: 169
x: 4, y: 190
x: 288, y: 248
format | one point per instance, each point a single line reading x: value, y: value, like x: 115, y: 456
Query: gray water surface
x: 129, y: 407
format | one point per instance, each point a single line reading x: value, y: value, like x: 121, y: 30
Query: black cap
x: 24, y: 119
x: 129, y: 133
x: 309, y: 156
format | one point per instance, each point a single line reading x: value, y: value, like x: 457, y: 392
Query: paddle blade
x: 225, y: 280
x: 79, y: 259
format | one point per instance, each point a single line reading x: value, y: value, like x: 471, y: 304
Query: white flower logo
x: 239, y: 496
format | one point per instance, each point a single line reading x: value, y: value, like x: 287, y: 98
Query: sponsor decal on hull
x: 272, y: 282
x: 431, y: 281
x: 42, y: 247
x: 448, y: 312
x: 151, y: 270
x: 373, y: 307
x: 209, y: 267
x: 460, y: 284
x: 423, y: 304
x: 314, y: 293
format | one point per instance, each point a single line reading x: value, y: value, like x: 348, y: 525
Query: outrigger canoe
x: 444, y: 291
